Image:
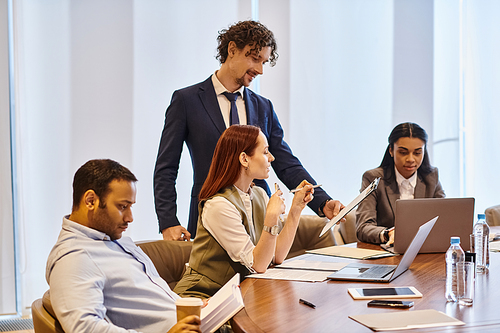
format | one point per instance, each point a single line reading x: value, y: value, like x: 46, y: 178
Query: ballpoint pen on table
x: 303, y: 301
x: 298, y: 189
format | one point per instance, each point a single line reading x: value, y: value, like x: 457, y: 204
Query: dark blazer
x: 377, y: 211
x: 194, y: 117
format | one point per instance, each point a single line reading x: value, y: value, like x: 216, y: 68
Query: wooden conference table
x: 273, y: 305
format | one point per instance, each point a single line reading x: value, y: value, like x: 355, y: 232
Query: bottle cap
x: 481, y: 216
x: 455, y: 240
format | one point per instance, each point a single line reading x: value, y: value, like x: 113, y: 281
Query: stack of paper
x: 351, y: 252
x: 222, y: 306
x: 292, y: 275
x: 403, y: 320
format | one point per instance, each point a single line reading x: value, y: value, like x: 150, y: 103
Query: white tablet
x: 384, y: 293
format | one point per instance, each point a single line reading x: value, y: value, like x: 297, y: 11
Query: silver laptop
x: 456, y: 218
x: 385, y: 273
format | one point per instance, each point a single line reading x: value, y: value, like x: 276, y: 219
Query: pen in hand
x: 277, y: 188
x: 298, y: 189
x: 309, y: 304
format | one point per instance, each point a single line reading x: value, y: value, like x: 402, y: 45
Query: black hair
x: 245, y: 33
x: 96, y: 175
x: 405, y: 130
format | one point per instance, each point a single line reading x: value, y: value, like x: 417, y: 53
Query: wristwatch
x: 274, y: 230
x: 386, y: 235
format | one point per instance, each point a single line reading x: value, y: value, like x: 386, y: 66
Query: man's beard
x: 101, y: 222
x: 241, y: 81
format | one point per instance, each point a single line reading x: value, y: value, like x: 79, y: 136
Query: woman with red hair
x: 238, y: 224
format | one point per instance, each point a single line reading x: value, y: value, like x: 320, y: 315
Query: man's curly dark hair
x: 245, y: 33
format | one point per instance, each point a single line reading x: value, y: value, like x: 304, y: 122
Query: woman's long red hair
x: 225, y: 168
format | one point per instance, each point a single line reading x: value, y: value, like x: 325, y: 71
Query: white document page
x: 222, y: 306
x: 312, y: 265
x: 369, y: 189
x: 292, y: 275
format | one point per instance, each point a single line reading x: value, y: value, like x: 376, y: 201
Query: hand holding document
x: 221, y: 307
x: 366, y: 192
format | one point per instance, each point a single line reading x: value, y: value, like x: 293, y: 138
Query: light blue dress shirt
x: 99, y: 285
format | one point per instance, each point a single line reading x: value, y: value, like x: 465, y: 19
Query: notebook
x: 456, y: 218
x: 403, y: 320
x: 385, y: 273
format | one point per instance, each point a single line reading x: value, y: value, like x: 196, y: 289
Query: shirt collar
x: 400, y: 178
x: 243, y: 194
x: 84, y: 230
x: 219, y: 87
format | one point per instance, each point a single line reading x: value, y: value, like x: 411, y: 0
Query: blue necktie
x: 233, y: 114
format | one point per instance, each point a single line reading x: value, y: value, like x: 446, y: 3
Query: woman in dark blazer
x: 406, y: 173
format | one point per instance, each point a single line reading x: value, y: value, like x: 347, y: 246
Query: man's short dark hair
x: 97, y: 175
x: 245, y: 33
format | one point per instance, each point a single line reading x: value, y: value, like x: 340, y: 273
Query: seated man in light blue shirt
x: 99, y: 281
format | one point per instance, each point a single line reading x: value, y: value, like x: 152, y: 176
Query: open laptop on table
x: 456, y: 218
x: 385, y: 273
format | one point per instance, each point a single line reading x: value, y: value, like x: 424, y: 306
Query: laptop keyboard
x: 377, y: 272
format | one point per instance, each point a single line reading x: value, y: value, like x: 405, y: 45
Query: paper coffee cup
x: 188, y: 306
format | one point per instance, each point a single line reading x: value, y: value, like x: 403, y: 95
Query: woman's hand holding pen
x: 303, y: 196
x: 276, y: 205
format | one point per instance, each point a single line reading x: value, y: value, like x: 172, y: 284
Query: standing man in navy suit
x: 200, y: 113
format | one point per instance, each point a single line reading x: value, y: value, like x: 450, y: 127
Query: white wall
x: 44, y: 141
x: 171, y: 51
x: 340, y: 89
x: 413, y: 64
x: 481, y: 84
x: 447, y: 127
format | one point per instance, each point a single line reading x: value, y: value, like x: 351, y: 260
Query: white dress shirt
x: 406, y: 186
x: 406, y: 191
x: 225, y: 104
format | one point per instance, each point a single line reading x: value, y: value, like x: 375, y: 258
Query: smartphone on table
x: 391, y: 304
x: 384, y: 293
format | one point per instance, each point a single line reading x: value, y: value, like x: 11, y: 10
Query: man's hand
x: 178, y: 233
x: 187, y: 325
x: 332, y: 209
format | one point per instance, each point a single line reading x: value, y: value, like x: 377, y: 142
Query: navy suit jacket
x: 194, y: 117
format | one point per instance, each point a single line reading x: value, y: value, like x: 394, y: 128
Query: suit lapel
x: 251, y: 107
x: 209, y: 100
x: 419, y: 188
x: 392, y: 194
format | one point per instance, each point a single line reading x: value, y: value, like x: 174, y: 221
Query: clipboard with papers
x: 366, y: 192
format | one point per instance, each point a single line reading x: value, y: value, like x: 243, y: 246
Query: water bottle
x: 454, y: 255
x: 482, y: 245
